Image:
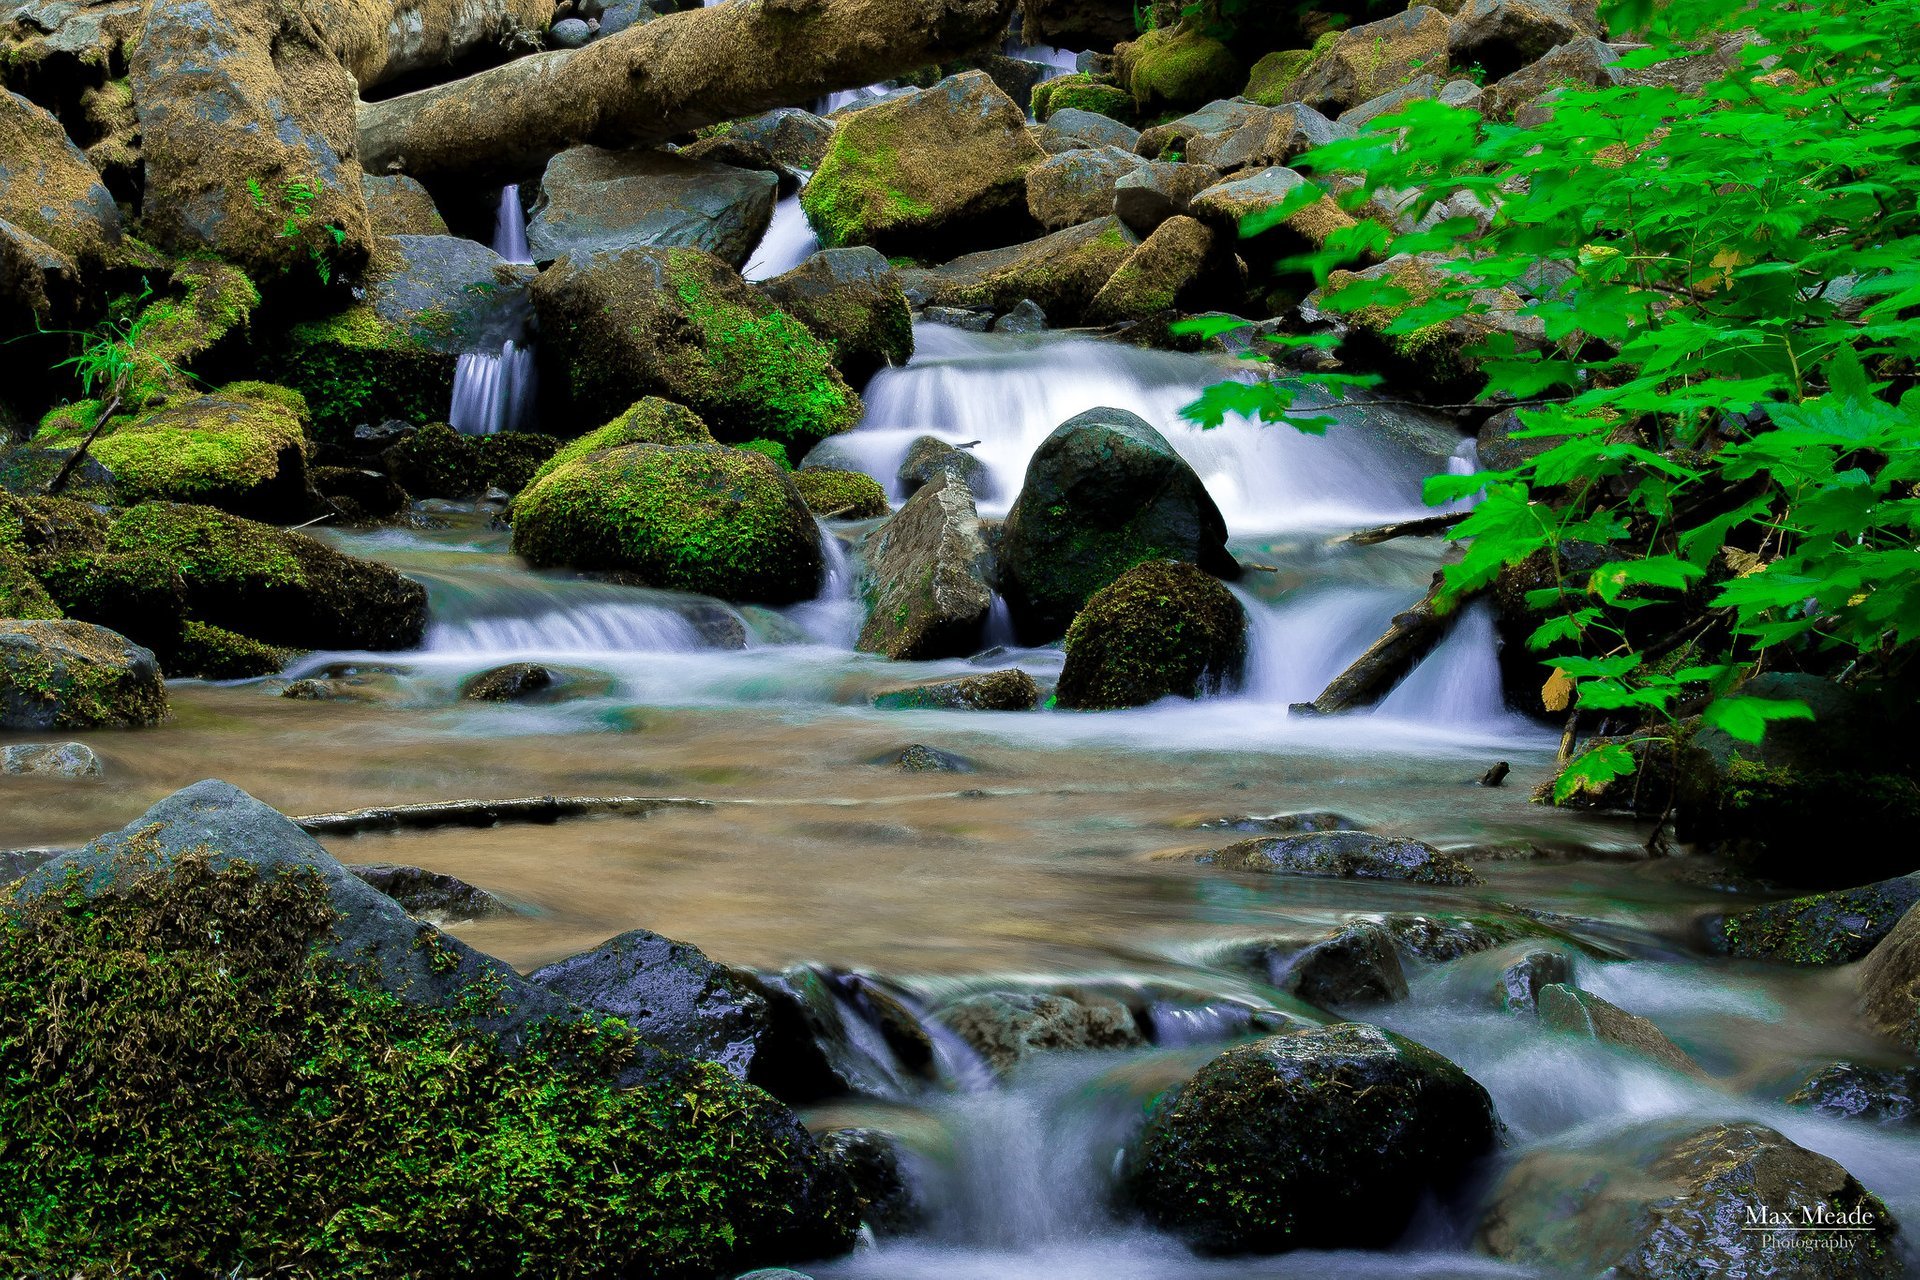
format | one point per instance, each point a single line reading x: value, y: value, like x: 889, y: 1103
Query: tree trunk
x: 1410, y: 637
x: 673, y: 75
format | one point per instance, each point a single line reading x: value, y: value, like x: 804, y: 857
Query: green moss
x: 21, y: 593
x: 510, y: 459
x: 204, y: 1041
x: 772, y: 449
x: 138, y: 594
x: 1162, y: 629
x: 355, y: 368
x: 1271, y: 82
x: 1177, y: 67
x: 1082, y: 92
x: 67, y: 424
x: 649, y: 421
x: 437, y: 462
x: 852, y: 193
x: 70, y: 675
x: 209, y: 548
x: 222, y: 449
x: 844, y: 495
x: 214, y: 653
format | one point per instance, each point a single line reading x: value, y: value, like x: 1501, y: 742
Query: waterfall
x: 789, y: 241
x: 833, y: 616
x: 497, y: 617
x: 1459, y: 682
x: 493, y: 391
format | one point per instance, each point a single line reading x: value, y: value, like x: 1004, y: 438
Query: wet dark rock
x: 1890, y: 983
x: 429, y: 894
x: 1103, y: 493
x: 361, y: 494
x: 926, y: 577
x: 448, y: 294
x: 50, y: 760
x: 970, y: 319
x: 1518, y: 990
x: 1357, y: 965
x: 874, y: 1164
x: 1008, y: 1027
x: 920, y: 758
x: 1076, y: 186
x: 832, y: 1033
x: 569, y: 33
x: 1438, y: 937
x: 1061, y: 273
x: 1821, y: 928
x: 1281, y: 824
x: 850, y: 298
x: 595, y: 200
x: 1671, y: 1198
x: 1157, y: 191
x: 1567, y: 1008
x: 1070, y: 128
x: 1853, y: 1091
x: 373, y: 437
x: 794, y: 138
x: 1027, y: 317
x: 1161, y: 629
x: 1272, y: 1144
x: 998, y: 691
x: 1496, y: 775
x: 57, y: 674
x: 930, y: 456
x: 1348, y: 855
x: 513, y: 682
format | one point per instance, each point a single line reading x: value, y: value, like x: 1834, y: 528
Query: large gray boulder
x: 1156, y: 191
x: 1071, y: 127
x: 851, y: 299
x: 449, y: 294
x: 48, y: 188
x: 56, y: 674
x: 1076, y: 186
x: 1103, y: 493
x: 1325, y: 1138
x: 593, y: 199
x: 926, y: 577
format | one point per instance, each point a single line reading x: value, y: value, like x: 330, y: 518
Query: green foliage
x: 772, y: 449
x: 1729, y: 282
x: 844, y: 495
x: 292, y: 201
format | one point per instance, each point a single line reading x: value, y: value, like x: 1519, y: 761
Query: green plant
x: 116, y: 366
x: 293, y: 202
x: 1725, y: 397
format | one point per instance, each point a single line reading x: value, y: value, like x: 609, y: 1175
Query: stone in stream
x: 50, y: 760
x: 593, y: 199
x: 1347, y: 855
x: 361, y: 495
x: 1076, y: 186
x: 973, y: 320
x: 833, y: 494
x: 1519, y: 987
x: 429, y: 895
x: 1161, y: 629
x: 920, y: 758
x: 1156, y: 191
x: 1006, y: 1028
x: 1563, y: 1007
x: 794, y: 138
x: 1673, y: 1197
x: 1060, y: 273
x: 1890, y: 983
x: 930, y: 456
x: 1852, y: 1091
x: 1325, y: 1138
x: 832, y: 1033
x: 1103, y: 493
x: 73, y: 675
x: 1281, y: 824
x: 1437, y: 937
x: 874, y: 1164
x: 850, y: 299
x: 926, y: 577
x: 1821, y: 928
x: 1357, y: 965
x: 514, y: 682
x: 1012, y: 690
x: 1026, y: 317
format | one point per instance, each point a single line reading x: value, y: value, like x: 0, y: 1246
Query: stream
x: 1039, y: 866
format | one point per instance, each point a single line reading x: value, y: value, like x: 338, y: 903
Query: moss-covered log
x: 671, y: 76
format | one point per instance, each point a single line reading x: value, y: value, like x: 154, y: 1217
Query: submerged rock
x: 1161, y: 629
x: 926, y: 578
x: 593, y: 199
x: 920, y: 758
x: 429, y: 894
x: 74, y: 675
x: 515, y: 682
x: 1851, y: 1091
x: 1274, y: 1144
x: 1008, y: 1027
x: 1519, y: 987
x: 873, y: 1164
x: 50, y: 760
x: 1821, y: 928
x: 1357, y: 965
x: 998, y: 691
x: 1568, y: 1008
x: 1348, y: 855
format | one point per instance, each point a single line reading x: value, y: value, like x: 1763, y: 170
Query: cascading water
x: 493, y: 391
x: 789, y: 240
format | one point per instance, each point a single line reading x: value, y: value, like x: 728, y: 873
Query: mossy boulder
x: 215, y: 653
x: 1103, y: 493
x: 1227, y: 206
x: 1077, y: 186
x: 1060, y: 273
x: 22, y: 595
x: 927, y: 173
x: 794, y: 138
x: 140, y: 594
x: 1079, y: 91
x: 1344, y: 855
x: 49, y: 189
x: 1270, y: 82
x: 74, y: 675
x: 273, y: 1019
x: 702, y: 518
x: 926, y: 577
x: 851, y: 300
x: 1010, y: 690
x: 681, y: 324
x: 1671, y: 1197
x: 1170, y: 270
x: 1821, y: 928
x: 1325, y: 1138
x: 1171, y: 68
x: 274, y: 585
x: 594, y: 199
x: 437, y: 462
x: 1162, y: 629
x: 841, y: 495
x: 649, y: 420
x: 1366, y: 61
x: 399, y: 206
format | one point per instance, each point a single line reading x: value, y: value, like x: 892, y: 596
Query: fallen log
x: 382, y: 40
x: 1410, y: 637
x: 670, y: 76
x: 483, y: 813
x: 1424, y: 527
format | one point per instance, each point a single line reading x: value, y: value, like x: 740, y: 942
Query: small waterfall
x: 494, y: 616
x: 833, y: 617
x: 1459, y: 682
x: 493, y: 392
x: 1296, y: 647
x: 848, y: 97
x: 788, y: 243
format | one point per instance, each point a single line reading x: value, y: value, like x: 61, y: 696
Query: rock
x: 242, y: 449
x: 1161, y: 629
x: 594, y: 200
x: 1216, y: 120
x: 1272, y: 1143
x: 1439, y: 356
x: 1157, y: 191
x: 37, y: 281
x: 841, y: 495
x: 429, y: 895
x: 959, y: 318
x: 399, y: 206
x: 1226, y: 206
x: 851, y: 300
x: 794, y: 138
x: 929, y: 457
x: 215, y: 653
x: 50, y: 760
x: 1176, y: 67
x: 920, y: 758
x: 1501, y: 36
x: 1102, y: 493
x: 1418, y: 89
x: 50, y: 192
x: 1357, y: 965
x: 569, y: 33
x: 1059, y: 273
x: 1822, y: 928
x: 670, y: 994
x: 437, y: 462
x: 1498, y: 451
x: 926, y: 577
x: 1076, y: 186
x: 1346, y: 855
x: 1281, y: 824
x: 1261, y: 137
x: 1169, y: 271
x: 1365, y: 61
x: 1568, y: 1008
x: 1026, y: 317
x: 1070, y: 127
x: 515, y: 682
x: 933, y: 171
x: 649, y: 420
x: 74, y: 675
x: 1518, y: 990
x: 139, y: 594
x: 873, y: 1164
x: 1012, y: 690
x: 1671, y: 1197
x: 682, y: 324
x: 246, y: 128
x: 1850, y: 1091
x: 1009, y: 1027
x: 701, y: 518
x: 1583, y: 61
x: 835, y: 1033
x: 1890, y: 984
x: 1079, y: 91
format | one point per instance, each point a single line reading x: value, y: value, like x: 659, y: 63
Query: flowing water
x: 493, y: 390
x: 1040, y: 867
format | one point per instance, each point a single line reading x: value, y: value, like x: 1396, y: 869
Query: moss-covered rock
x: 399, y: 206
x: 21, y: 594
x: 926, y: 577
x: 139, y: 594
x: 510, y: 459
x: 1821, y: 928
x: 1890, y: 984
x: 1169, y: 270
x: 1366, y: 61
x: 1329, y: 1137
x: 1080, y: 91
x: 355, y: 368
x: 931, y: 172
x: 1172, y: 68
x: 1161, y: 629
x: 841, y: 495
x: 1061, y: 273
x: 717, y: 521
x: 214, y: 653
x: 681, y: 324
x: 436, y: 462
x: 1010, y: 690
x: 1271, y: 81
x: 649, y: 420
x: 49, y: 189
x: 74, y: 675
x: 850, y: 299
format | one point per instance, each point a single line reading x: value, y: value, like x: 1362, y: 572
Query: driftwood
x: 1424, y: 527
x: 670, y: 76
x: 483, y: 813
x: 1410, y: 637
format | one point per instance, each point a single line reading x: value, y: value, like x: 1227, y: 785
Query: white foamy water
x: 789, y: 241
x: 493, y: 391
